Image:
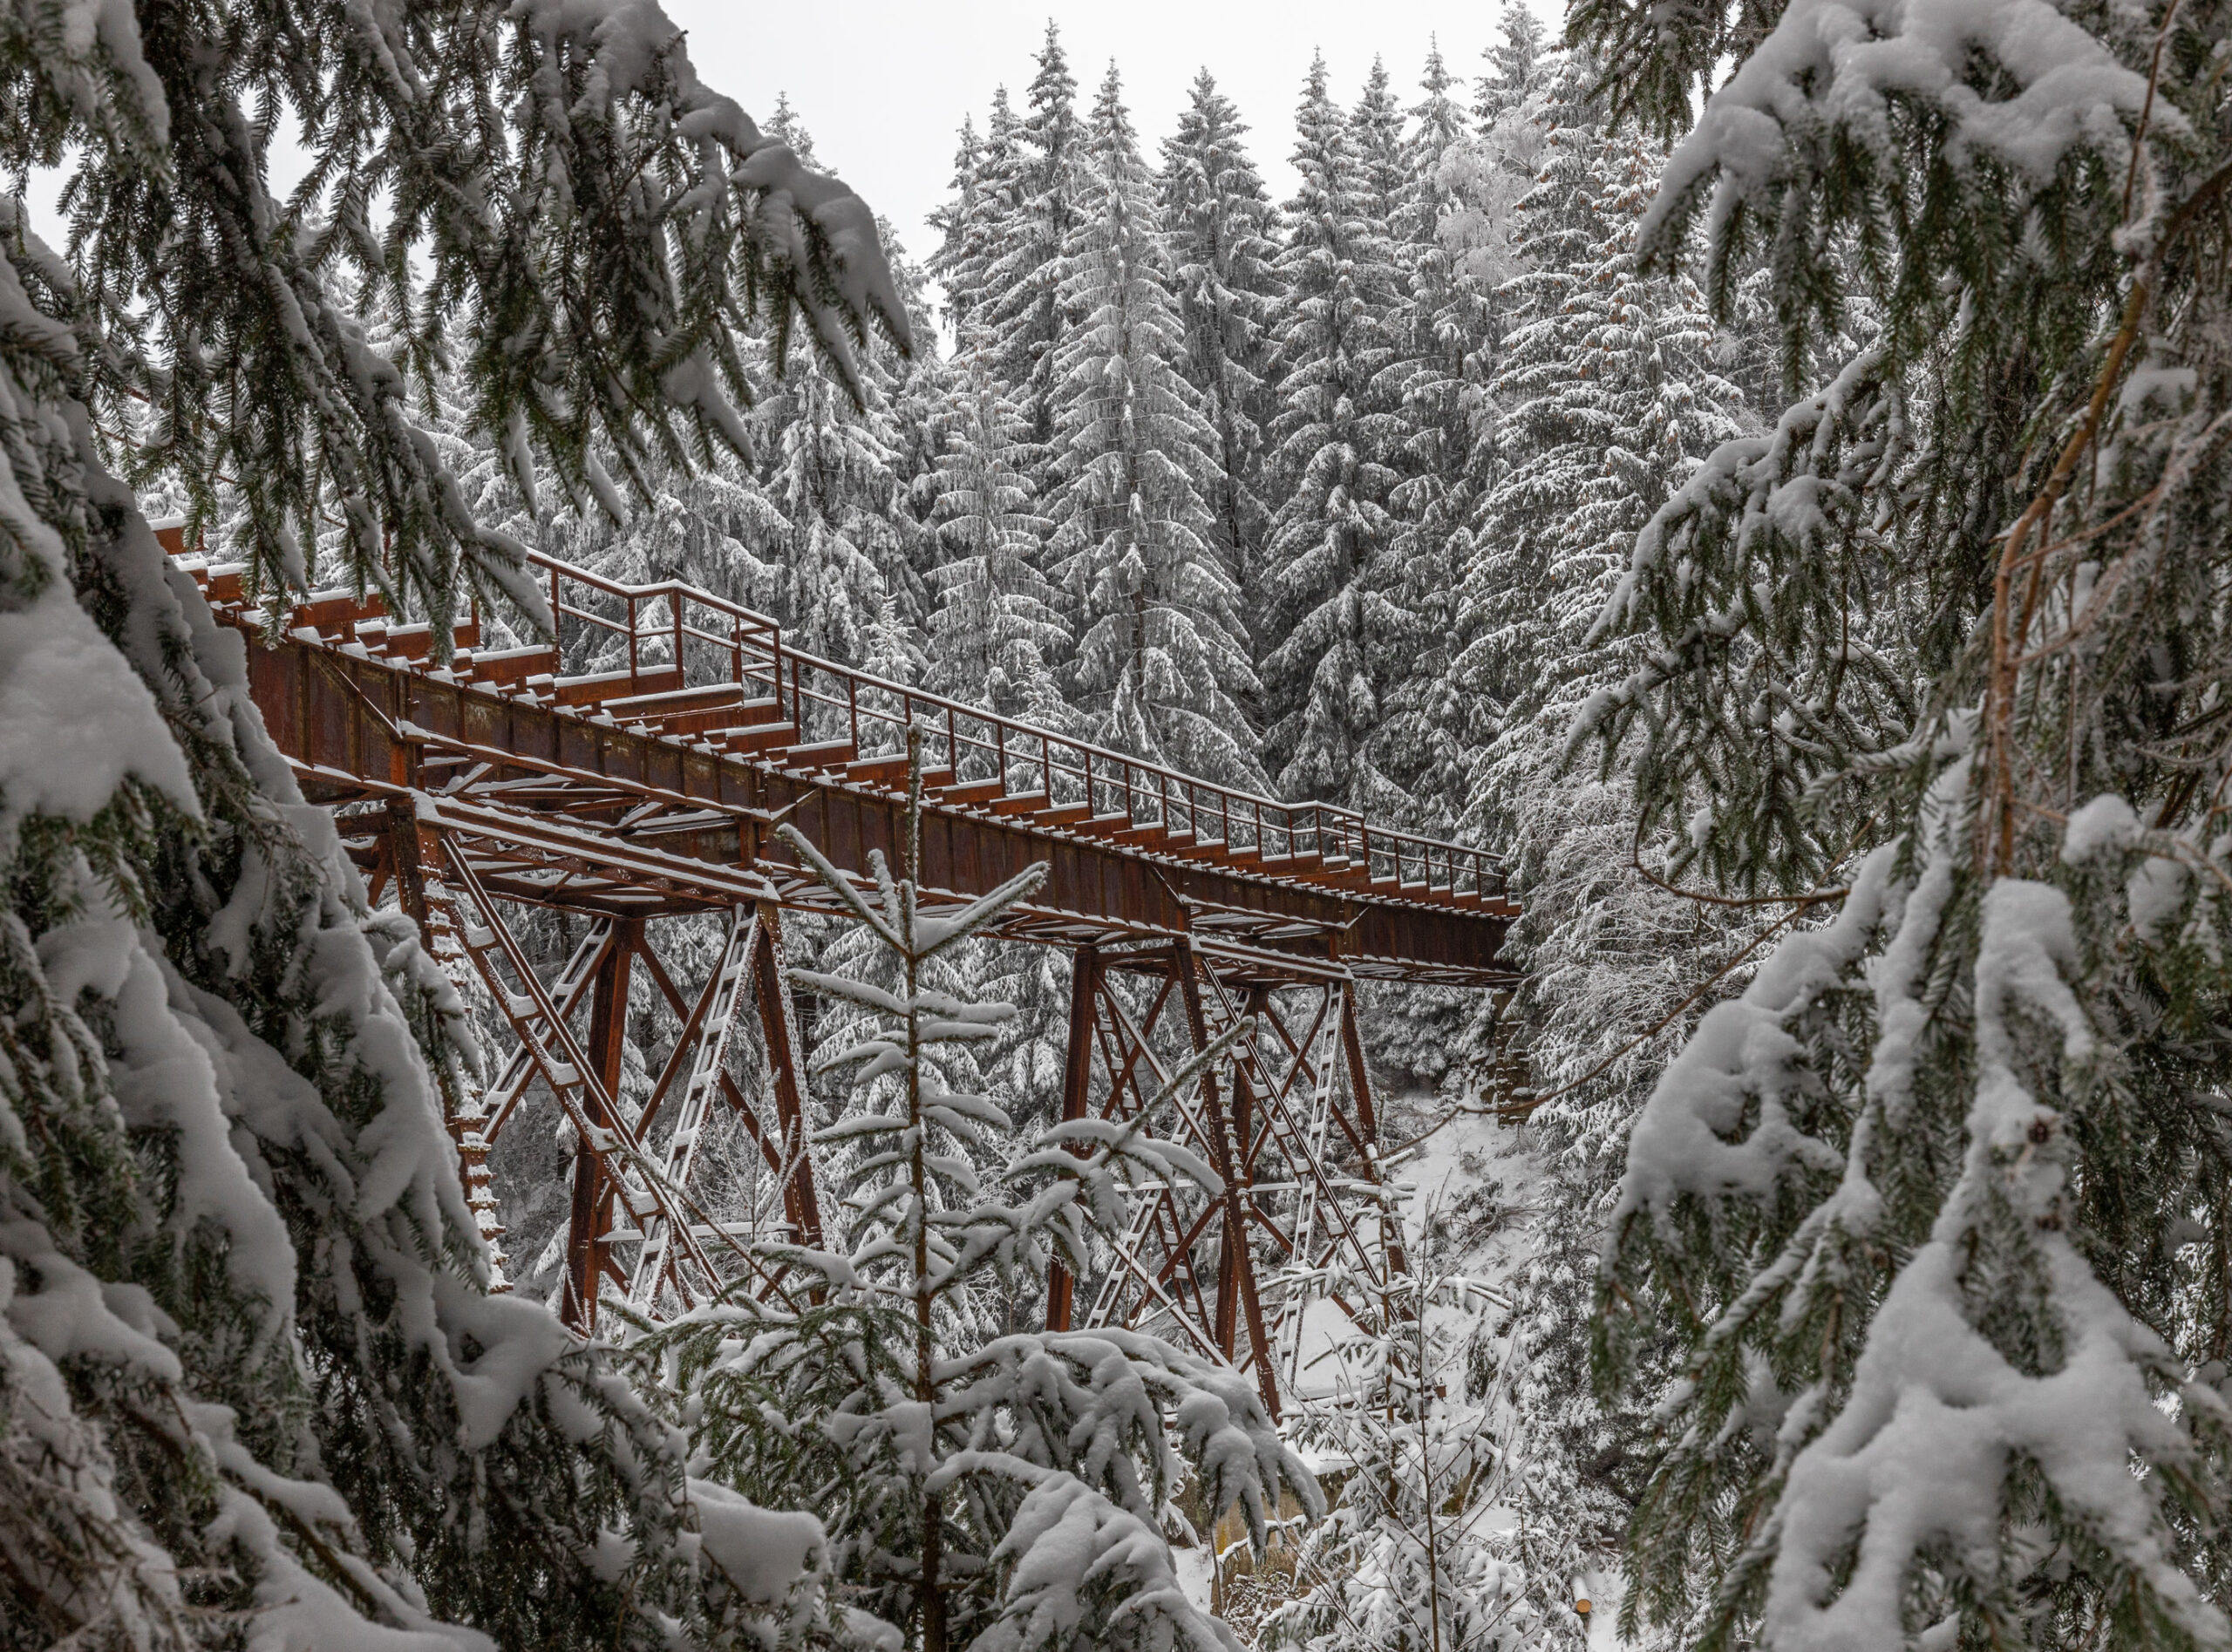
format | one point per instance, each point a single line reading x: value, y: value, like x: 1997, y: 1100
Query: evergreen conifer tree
x: 1943, y: 1187
x: 1025, y: 307
x: 1411, y: 1557
x: 253, y: 1389
x: 953, y: 219
x: 836, y: 477
x: 994, y: 1489
x: 1428, y: 727
x: 1472, y: 191
x: 1375, y: 135
x: 995, y: 639
x: 974, y: 225
x: 786, y: 127
x: 1608, y: 394
x: 996, y: 632
x: 1219, y: 223
x: 1162, y: 668
x: 1335, y: 627
x: 1514, y: 60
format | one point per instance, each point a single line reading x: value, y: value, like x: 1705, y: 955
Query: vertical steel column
x: 591, y: 1218
x: 1243, y: 1130
x: 1391, y: 1230
x: 772, y: 983
x: 1237, y: 1265
x: 1076, y: 1083
x: 1244, y: 1066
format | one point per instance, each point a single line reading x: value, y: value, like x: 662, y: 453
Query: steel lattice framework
x: 631, y: 774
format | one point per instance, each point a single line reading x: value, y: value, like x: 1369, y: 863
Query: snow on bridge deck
x: 648, y: 778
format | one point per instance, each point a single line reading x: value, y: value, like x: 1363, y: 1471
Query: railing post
x: 632, y: 642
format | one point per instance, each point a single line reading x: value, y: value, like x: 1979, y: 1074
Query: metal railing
x: 632, y: 641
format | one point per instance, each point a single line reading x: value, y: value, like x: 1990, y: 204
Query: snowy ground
x: 1471, y: 1174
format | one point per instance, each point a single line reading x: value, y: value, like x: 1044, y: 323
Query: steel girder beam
x: 357, y: 729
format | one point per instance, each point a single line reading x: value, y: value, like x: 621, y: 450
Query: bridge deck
x: 650, y: 780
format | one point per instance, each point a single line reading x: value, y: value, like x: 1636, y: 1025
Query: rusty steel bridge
x: 643, y: 786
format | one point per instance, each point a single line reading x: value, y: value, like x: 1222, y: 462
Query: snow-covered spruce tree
x: 973, y: 224
x: 1938, y: 1207
x: 1027, y: 316
x: 1001, y: 1491
x: 1375, y: 135
x: 955, y: 261
x: 1429, y: 727
x: 1436, y: 378
x: 251, y: 1388
x: 1607, y: 396
x: 1162, y: 668
x: 1515, y: 58
x: 1608, y: 958
x: 628, y: 322
x: 835, y: 477
x: 1457, y: 238
x: 995, y: 638
x: 918, y: 390
x: 1334, y: 629
x: 1411, y: 1557
x: 1219, y: 223
x: 997, y: 632
x: 1486, y: 178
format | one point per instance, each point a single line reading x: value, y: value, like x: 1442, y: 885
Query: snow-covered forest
x: 1750, y: 466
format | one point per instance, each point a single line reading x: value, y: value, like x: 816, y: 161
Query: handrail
x: 871, y: 714
x: 861, y: 720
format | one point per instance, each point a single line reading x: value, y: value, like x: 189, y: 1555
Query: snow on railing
x: 672, y: 636
x: 1083, y: 784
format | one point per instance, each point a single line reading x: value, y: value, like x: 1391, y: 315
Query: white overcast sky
x: 882, y: 84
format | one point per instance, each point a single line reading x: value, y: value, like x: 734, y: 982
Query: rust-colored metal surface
x: 1287, y: 1123
x: 635, y: 770
x: 358, y: 729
